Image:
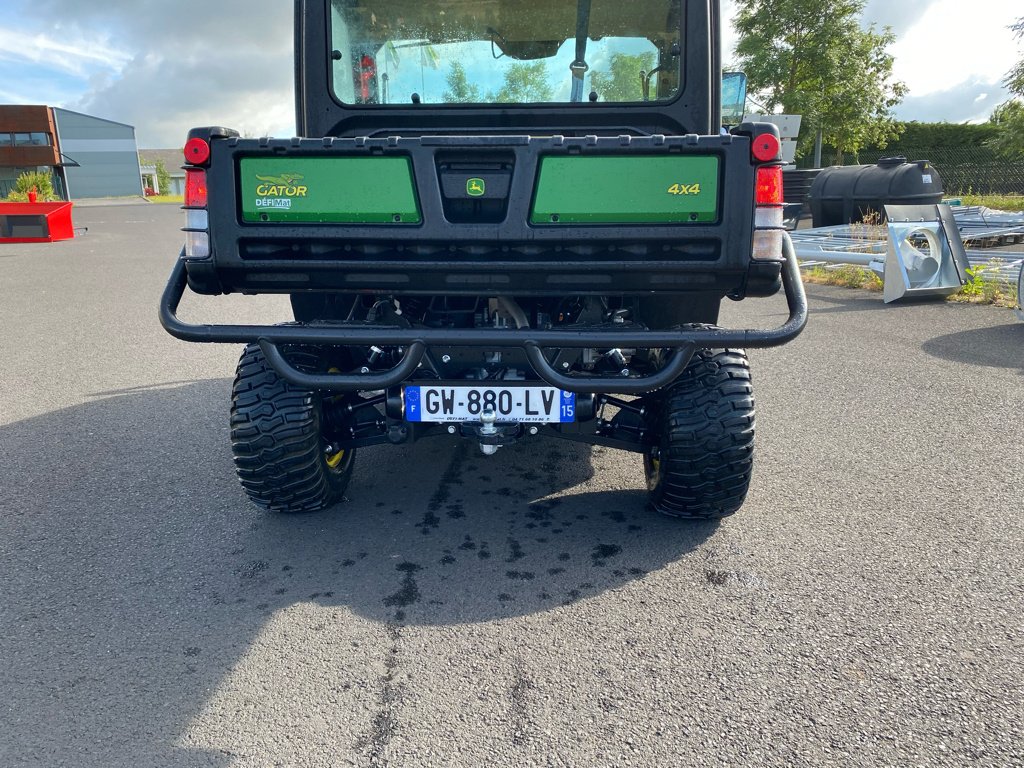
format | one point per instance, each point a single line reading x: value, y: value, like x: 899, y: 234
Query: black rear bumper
x: 535, y: 342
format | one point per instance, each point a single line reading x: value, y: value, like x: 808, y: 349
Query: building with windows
x: 27, y: 143
x: 87, y: 156
x: 172, y: 160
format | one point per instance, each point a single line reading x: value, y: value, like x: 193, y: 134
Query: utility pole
x: 817, y: 148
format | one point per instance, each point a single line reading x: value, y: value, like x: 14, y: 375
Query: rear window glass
x: 505, y: 51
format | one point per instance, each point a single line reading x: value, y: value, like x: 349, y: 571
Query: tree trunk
x: 840, y: 153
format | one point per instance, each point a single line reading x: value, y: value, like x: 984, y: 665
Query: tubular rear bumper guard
x: 533, y: 341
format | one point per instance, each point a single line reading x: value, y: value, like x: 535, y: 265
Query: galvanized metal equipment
x: 926, y: 255
x: 983, y: 225
x: 1020, y: 292
x: 922, y: 250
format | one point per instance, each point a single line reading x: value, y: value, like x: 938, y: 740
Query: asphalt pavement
x: 864, y: 608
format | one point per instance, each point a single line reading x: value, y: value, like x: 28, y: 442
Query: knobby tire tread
x: 707, y: 443
x: 275, y: 441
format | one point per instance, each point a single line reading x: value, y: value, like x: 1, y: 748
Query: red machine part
x: 35, y: 222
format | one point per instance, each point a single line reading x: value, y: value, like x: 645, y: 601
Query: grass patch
x: 845, y: 276
x: 179, y: 199
x: 985, y: 287
x: 996, y: 202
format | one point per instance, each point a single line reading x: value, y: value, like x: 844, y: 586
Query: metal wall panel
x: 106, y: 153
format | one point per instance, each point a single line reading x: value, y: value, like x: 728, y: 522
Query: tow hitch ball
x: 487, y: 429
x: 492, y: 435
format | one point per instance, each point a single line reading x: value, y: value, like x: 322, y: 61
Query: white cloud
x: 173, y: 65
x: 164, y: 97
x: 12, y: 97
x: 967, y: 102
x: 899, y: 15
x: 75, y: 57
x: 953, y: 43
x: 729, y: 37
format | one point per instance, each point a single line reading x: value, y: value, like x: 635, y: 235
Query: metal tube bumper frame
x: 417, y: 340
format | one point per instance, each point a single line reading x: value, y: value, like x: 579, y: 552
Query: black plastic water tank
x: 846, y: 194
x: 796, y: 184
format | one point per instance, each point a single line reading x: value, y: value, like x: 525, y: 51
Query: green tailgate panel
x: 668, y: 189
x: 331, y: 190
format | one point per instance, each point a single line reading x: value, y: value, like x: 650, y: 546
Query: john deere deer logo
x: 286, y: 179
x: 475, y: 187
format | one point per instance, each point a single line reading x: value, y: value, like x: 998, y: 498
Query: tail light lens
x: 195, y: 188
x: 769, y: 185
x: 768, y: 226
x: 197, y: 245
x: 197, y: 217
x: 766, y: 148
x: 197, y: 151
x: 768, y: 245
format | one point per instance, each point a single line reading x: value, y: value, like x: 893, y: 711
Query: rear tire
x: 702, y: 464
x: 281, y: 456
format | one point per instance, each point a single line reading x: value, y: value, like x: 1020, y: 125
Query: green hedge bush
x: 42, y: 181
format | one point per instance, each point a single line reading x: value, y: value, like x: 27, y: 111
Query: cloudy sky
x: 164, y: 67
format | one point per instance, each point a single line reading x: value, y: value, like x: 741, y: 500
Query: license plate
x: 536, y: 405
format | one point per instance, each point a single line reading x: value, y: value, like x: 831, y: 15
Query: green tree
x: 812, y: 58
x: 1015, y: 77
x: 621, y: 81
x: 1009, y: 117
x: 524, y: 84
x: 163, y: 178
x: 460, y: 90
x: 42, y: 182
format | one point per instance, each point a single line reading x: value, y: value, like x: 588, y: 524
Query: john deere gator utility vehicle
x: 503, y: 220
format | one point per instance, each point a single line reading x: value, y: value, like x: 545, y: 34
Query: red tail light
x: 768, y: 230
x: 197, y: 218
x: 195, y: 188
x: 766, y: 147
x: 769, y: 185
x: 197, y: 151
